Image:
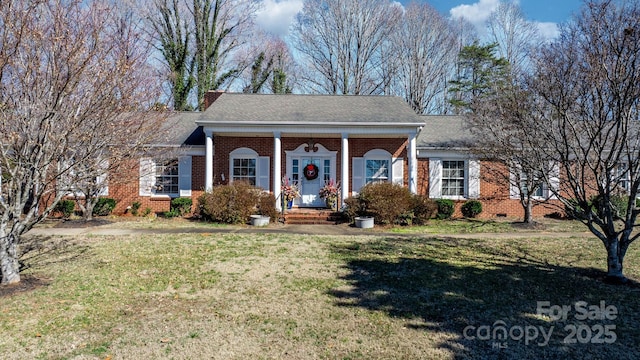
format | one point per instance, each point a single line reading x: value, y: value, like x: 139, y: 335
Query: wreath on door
x: 311, y: 172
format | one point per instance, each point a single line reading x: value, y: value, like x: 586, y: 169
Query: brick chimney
x: 211, y: 96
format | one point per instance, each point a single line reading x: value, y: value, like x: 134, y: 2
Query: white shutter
x: 435, y: 178
x: 554, y: 180
x: 184, y: 175
x: 357, y: 175
x: 514, y: 189
x: 263, y: 173
x: 474, y: 179
x: 103, y: 179
x: 147, y: 176
x: 397, y: 171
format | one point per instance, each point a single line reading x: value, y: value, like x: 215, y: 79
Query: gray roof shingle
x: 312, y: 109
x: 444, y: 131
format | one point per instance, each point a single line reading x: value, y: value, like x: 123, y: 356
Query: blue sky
x: 555, y: 11
x: 278, y: 14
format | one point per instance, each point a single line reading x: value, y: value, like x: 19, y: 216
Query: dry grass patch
x: 273, y: 296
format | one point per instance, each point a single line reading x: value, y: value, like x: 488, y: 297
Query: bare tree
x: 587, y: 106
x: 198, y: 40
x: 516, y: 36
x: 173, y: 35
x: 424, y: 45
x: 64, y: 73
x: 341, y: 42
x: 502, y: 126
x: 273, y: 70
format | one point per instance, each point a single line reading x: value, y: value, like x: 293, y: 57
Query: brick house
x: 351, y: 139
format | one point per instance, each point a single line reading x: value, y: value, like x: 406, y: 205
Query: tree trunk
x: 528, y: 213
x: 614, y: 263
x: 9, y: 260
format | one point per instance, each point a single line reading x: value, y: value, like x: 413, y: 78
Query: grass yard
x: 281, y: 296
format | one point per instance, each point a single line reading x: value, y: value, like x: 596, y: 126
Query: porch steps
x: 312, y: 216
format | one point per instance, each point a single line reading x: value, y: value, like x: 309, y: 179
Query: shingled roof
x: 444, y: 132
x: 309, y: 109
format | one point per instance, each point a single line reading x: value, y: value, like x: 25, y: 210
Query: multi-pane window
x: 453, y: 178
x: 295, y: 170
x: 539, y: 191
x: 377, y: 170
x: 167, y: 177
x: 327, y: 170
x: 244, y: 170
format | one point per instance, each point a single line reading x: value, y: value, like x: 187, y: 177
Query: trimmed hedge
x: 235, y: 203
x: 471, y: 208
x: 424, y: 209
x: 104, y: 207
x: 446, y: 208
x: 390, y: 204
x: 65, y: 208
x: 181, y: 206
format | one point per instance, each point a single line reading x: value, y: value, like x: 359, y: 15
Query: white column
x: 413, y: 164
x: 277, y: 168
x: 208, y: 160
x: 344, y: 181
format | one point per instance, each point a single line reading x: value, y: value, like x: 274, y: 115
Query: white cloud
x: 477, y: 13
x: 276, y: 16
x: 548, y: 30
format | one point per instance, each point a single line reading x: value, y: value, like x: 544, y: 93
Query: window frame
x: 160, y: 166
x: 465, y: 179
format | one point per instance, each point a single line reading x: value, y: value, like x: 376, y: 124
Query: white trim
x: 208, y: 162
x: 277, y: 168
x: 345, y: 166
x: 184, y: 176
x: 243, y: 153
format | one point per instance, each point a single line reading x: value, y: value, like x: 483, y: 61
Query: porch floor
x: 311, y: 216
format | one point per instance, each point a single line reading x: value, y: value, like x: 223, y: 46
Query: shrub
x: 266, y: 205
x: 385, y: 201
x: 135, y: 207
x: 181, y: 206
x: 171, y: 213
x: 65, y: 207
x: 230, y: 204
x: 423, y: 209
x: 446, y: 208
x: 352, y: 209
x: 104, y: 207
x: 471, y: 208
x: 574, y: 210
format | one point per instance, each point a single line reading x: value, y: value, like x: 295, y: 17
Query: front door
x: 310, y: 186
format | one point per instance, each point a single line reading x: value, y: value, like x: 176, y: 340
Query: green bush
x: 575, y: 210
x: 471, y: 208
x: 65, y: 207
x: 104, y: 207
x: 424, y: 209
x: 135, y: 208
x: 171, y: 213
x: 181, y: 206
x: 385, y: 201
x: 230, y: 204
x: 446, y: 208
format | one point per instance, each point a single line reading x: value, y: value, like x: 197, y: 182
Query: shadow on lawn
x: 36, y: 252
x: 445, y: 286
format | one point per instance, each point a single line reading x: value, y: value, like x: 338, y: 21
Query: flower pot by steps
x: 259, y: 220
x: 364, y: 222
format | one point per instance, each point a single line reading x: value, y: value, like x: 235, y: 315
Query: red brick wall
x: 494, y: 193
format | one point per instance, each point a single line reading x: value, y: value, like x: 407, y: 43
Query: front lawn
x: 280, y: 296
